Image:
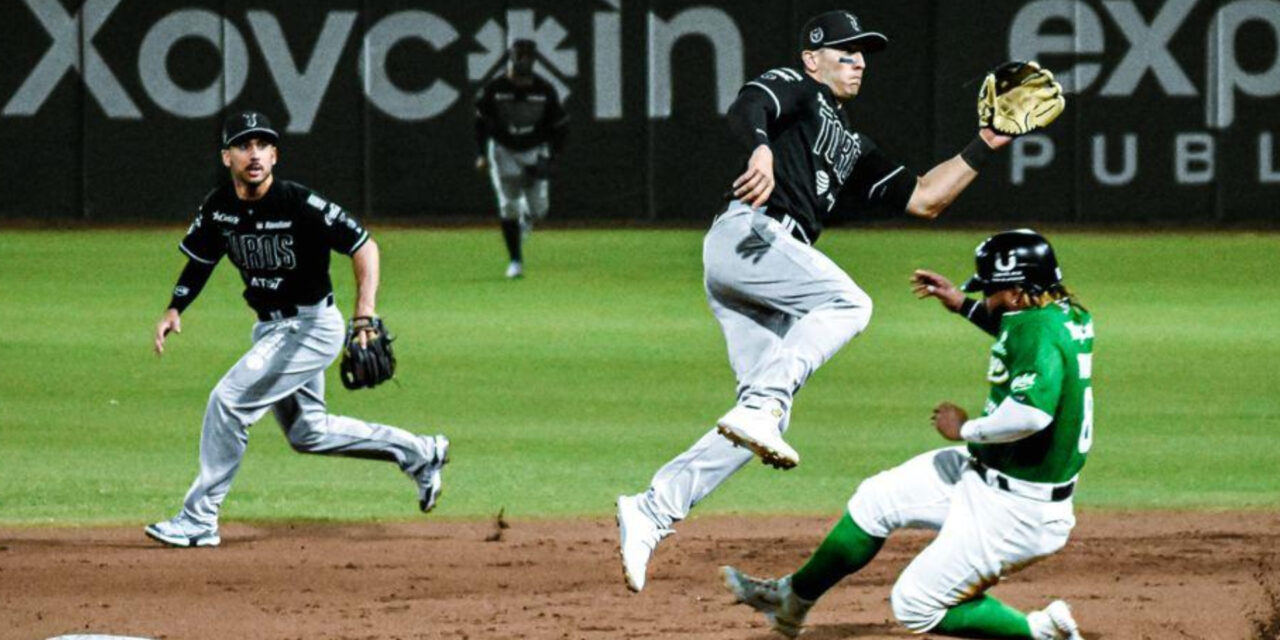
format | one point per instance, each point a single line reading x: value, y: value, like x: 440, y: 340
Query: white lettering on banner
x: 1193, y: 158
x: 1267, y: 173
x: 378, y: 87
x: 726, y: 42
x: 302, y: 90
x: 1034, y: 151
x: 204, y: 25
x: 1149, y: 49
x: 72, y: 41
x: 1224, y: 73
x: 1128, y: 169
x: 1026, y: 42
x: 607, y: 59
x: 553, y: 60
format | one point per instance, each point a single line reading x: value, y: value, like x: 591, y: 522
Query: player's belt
x: 267, y: 315
x: 791, y: 225
x: 1034, y: 490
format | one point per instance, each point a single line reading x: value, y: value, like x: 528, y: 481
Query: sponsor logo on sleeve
x: 333, y: 214
x: 997, y: 373
x: 1023, y: 383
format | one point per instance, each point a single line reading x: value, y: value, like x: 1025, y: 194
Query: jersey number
x: 1086, y: 423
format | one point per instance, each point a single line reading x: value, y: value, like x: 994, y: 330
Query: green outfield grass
x: 562, y: 390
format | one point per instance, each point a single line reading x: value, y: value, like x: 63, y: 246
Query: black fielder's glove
x: 1018, y: 98
x: 369, y: 365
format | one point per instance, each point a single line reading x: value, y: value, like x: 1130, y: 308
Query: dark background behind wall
x: 125, y: 133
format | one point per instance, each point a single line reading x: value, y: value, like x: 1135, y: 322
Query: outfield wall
x: 111, y: 108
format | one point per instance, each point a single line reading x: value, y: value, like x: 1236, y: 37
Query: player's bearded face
x: 250, y: 161
x: 840, y: 70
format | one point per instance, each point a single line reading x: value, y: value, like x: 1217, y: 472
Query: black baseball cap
x: 247, y: 123
x: 840, y: 30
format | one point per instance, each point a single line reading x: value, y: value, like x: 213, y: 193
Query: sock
x: 511, y: 234
x: 845, y: 550
x: 984, y: 617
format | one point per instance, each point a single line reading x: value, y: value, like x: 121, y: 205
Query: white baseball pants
x: 983, y: 532
x: 785, y: 309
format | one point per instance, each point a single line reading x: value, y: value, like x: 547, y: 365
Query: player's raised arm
x: 927, y: 284
x: 937, y: 189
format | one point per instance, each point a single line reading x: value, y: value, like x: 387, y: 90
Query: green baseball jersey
x: 1043, y: 359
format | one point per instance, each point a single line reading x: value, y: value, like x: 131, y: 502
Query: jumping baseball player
x: 999, y: 503
x: 520, y: 129
x: 785, y: 307
x: 279, y: 235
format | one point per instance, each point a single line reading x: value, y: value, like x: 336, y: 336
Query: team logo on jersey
x: 839, y: 147
x: 267, y: 252
x: 815, y: 36
x: 1023, y: 382
x: 821, y: 182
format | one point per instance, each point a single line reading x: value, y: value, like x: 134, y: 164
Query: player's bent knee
x: 914, y: 612
x: 868, y: 508
x: 306, y: 432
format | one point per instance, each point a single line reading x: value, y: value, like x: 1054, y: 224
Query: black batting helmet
x: 1020, y: 257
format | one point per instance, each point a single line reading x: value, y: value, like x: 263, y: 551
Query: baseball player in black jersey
x: 785, y: 307
x: 279, y: 235
x: 520, y: 129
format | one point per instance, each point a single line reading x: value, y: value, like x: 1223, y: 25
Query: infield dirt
x: 1128, y: 575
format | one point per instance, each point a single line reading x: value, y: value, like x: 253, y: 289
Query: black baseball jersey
x: 816, y: 154
x: 280, y: 242
x: 520, y: 117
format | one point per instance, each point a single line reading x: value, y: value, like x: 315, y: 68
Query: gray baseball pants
x: 519, y: 196
x: 284, y: 372
x: 785, y: 309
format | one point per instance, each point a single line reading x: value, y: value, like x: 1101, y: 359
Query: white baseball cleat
x: 177, y: 532
x: 784, y: 610
x: 638, y: 536
x: 515, y: 269
x: 760, y: 430
x: 430, y: 476
x: 1054, y: 622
